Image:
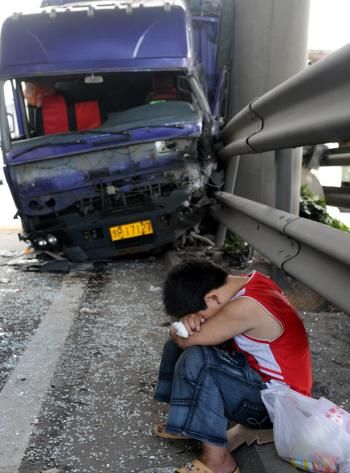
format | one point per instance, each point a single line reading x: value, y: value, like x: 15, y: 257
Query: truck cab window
x: 11, y: 105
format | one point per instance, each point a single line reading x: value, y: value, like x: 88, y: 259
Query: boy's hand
x: 193, y: 322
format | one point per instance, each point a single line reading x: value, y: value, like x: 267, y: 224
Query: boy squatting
x: 244, y: 336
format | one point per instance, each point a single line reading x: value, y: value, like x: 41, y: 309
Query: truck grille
x: 111, y: 199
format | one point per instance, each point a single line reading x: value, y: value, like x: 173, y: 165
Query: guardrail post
x: 288, y: 180
x: 229, y: 186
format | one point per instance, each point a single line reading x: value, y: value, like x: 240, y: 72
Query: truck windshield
x: 120, y: 127
x: 37, y: 109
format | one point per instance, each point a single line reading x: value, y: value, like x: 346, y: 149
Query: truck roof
x: 97, y: 36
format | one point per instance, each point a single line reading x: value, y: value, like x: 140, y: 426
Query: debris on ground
x: 155, y: 288
x: 235, y: 254
x: 40, y: 261
x: 8, y: 253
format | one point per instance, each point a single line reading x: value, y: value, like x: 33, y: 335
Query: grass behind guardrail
x: 313, y: 207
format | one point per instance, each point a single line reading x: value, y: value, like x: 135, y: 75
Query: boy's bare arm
x: 235, y: 318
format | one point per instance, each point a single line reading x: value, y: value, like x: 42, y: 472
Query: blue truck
x: 109, y: 114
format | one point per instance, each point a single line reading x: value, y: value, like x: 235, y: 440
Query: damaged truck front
x: 106, y: 129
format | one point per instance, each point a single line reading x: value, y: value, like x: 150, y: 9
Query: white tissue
x: 181, y: 330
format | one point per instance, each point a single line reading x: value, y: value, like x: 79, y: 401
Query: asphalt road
x: 78, y: 362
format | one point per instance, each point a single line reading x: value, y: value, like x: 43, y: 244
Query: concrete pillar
x: 269, y: 46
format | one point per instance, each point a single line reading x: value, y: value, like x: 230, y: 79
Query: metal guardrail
x: 310, y: 108
x: 323, y: 156
x: 337, y: 196
x: 336, y: 157
x: 298, y: 246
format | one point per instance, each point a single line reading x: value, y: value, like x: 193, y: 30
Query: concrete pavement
x: 94, y: 414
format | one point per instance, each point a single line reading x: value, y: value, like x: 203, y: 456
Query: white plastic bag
x: 312, y: 434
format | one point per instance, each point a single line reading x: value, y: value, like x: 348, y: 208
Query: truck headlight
x: 52, y: 239
x: 41, y: 242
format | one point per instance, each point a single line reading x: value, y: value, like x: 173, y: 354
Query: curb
x: 261, y: 459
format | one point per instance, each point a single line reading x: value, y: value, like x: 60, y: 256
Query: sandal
x: 197, y: 466
x: 159, y: 431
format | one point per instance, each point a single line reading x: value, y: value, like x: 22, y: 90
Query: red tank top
x: 287, y: 359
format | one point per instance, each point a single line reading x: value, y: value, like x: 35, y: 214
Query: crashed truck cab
x: 106, y: 128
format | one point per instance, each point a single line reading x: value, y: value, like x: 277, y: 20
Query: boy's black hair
x: 187, y: 284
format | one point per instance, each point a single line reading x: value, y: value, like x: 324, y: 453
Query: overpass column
x: 269, y: 46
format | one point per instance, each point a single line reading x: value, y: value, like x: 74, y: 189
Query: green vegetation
x: 313, y: 207
x: 238, y: 250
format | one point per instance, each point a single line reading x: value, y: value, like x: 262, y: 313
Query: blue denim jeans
x: 205, y: 388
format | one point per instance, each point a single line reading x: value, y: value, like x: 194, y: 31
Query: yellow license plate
x: 131, y: 230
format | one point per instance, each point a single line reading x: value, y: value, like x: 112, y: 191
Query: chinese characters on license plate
x: 131, y: 230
